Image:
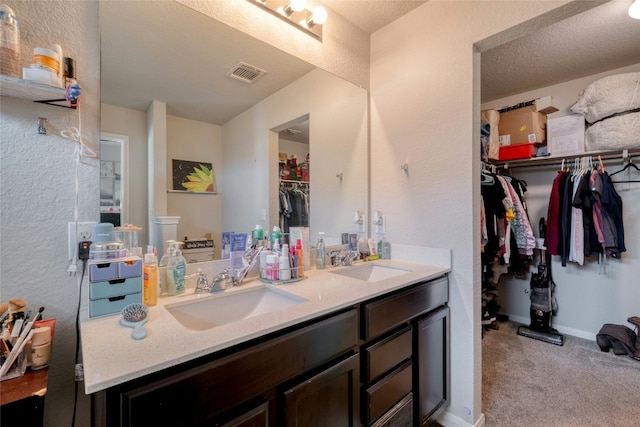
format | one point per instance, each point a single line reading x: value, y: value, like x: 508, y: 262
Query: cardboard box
x: 566, y: 134
x: 522, y: 126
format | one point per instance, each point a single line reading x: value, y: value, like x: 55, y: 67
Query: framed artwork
x: 193, y: 177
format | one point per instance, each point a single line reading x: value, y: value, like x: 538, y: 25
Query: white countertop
x: 111, y: 357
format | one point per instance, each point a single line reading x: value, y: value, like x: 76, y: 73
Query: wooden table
x: 22, y: 399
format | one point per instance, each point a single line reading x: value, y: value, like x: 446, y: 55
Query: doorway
x: 114, y: 168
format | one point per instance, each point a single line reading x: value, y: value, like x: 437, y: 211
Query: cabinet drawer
x: 400, y: 415
x: 388, y: 312
x: 114, y: 288
x: 382, y: 356
x: 383, y: 395
x: 112, y: 305
x: 130, y: 268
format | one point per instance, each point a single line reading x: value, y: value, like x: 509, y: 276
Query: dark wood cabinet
x: 432, y: 367
x: 256, y: 417
x: 405, y: 354
x: 382, y: 363
x: 328, y: 399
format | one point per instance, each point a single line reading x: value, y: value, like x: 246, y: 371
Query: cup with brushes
x: 134, y: 316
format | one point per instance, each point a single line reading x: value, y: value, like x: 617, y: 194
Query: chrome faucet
x: 343, y: 258
x: 223, y: 281
x: 202, y: 284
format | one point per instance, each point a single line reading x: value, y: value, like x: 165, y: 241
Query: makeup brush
x: 18, y: 346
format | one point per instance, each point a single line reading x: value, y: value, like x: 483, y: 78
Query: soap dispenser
x: 320, y: 252
x: 176, y: 271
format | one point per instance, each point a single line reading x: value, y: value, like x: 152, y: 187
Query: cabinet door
x: 432, y: 365
x: 329, y: 399
x: 257, y: 417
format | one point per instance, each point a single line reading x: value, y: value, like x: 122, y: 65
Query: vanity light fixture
x: 295, y: 12
x: 634, y: 10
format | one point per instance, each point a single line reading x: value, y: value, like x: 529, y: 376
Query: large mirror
x: 166, y: 69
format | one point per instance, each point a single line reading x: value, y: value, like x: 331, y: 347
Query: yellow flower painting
x: 195, y: 177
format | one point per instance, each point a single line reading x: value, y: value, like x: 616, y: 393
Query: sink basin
x: 371, y: 272
x: 215, y: 310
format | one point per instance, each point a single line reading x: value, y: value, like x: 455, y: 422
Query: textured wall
x: 425, y: 111
x: 38, y: 180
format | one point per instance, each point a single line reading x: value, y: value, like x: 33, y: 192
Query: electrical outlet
x: 78, y: 232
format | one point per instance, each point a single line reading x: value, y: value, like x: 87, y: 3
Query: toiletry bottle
x: 150, y: 285
x: 162, y: 272
x: 294, y: 263
x: 320, y: 252
x: 275, y: 237
x: 263, y: 264
x: 257, y: 235
x: 386, y: 249
x: 285, y: 263
x: 175, y: 274
x: 300, y: 258
x: 273, y: 266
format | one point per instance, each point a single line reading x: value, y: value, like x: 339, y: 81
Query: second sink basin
x: 371, y: 272
x: 206, y: 313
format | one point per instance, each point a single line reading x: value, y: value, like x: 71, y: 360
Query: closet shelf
x: 33, y: 91
x: 556, y: 160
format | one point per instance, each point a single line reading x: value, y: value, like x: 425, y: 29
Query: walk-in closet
x: 590, y: 288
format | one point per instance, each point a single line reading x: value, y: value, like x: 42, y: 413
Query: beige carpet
x: 526, y: 383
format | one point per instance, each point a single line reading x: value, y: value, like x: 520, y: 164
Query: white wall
x: 199, y: 213
x: 132, y: 123
x: 587, y: 296
x: 338, y: 142
x: 344, y: 49
x: 38, y: 181
x: 425, y: 111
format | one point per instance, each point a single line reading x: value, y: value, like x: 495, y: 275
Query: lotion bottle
x: 300, y: 257
x: 150, y: 274
x: 285, y: 263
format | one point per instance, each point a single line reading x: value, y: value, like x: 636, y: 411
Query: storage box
x: 522, y: 126
x: 565, y: 134
x: 518, y: 151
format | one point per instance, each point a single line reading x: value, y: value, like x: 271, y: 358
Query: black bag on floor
x: 619, y: 338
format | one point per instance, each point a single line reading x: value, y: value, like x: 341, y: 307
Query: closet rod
x: 557, y: 160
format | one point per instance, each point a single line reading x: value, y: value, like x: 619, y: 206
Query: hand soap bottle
x: 175, y: 273
x: 320, y: 252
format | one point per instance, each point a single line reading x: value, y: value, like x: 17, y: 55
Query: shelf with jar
x: 33, y: 91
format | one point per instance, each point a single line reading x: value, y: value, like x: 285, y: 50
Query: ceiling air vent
x: 245, y: 72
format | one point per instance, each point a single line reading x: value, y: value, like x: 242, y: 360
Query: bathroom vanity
x: 355, y: 350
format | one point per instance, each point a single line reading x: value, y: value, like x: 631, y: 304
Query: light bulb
x: 320, y: 15
x: 297, y: 5
x: 634, y: 9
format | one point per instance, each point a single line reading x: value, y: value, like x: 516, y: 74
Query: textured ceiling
x: 371, y: 15
x: 600, y: 39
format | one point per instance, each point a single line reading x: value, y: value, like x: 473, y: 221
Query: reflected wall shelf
x: 556, y: 160
x: 33, y: 91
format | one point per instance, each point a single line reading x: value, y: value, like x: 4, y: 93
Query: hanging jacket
x: 612, y: 206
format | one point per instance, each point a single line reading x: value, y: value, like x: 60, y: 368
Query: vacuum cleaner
x: 543, y: 304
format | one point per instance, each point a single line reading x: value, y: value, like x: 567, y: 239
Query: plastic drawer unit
x: 113, y: 285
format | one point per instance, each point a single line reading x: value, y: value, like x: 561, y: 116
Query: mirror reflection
x: 165, y: 85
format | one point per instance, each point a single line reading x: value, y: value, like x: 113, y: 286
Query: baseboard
x: 447, y: 419
x: 562, y: 329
